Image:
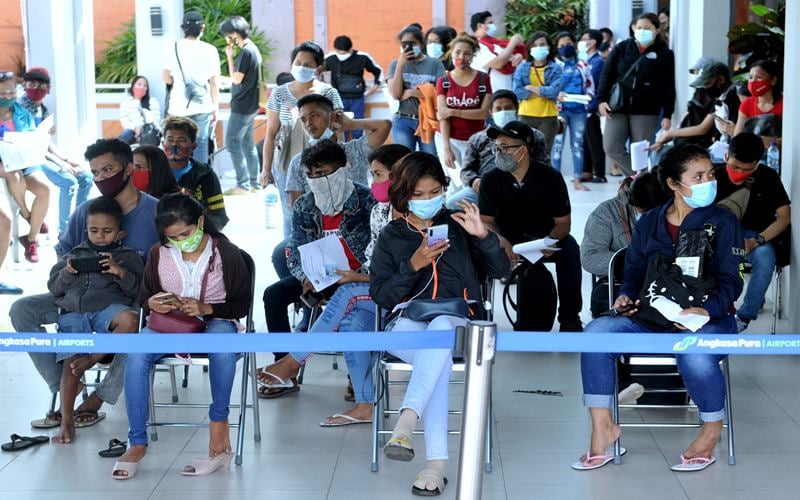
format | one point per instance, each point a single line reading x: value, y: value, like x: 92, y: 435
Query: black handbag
x: 616, y: 96
x: 429, y: 309
x: 149, y: 135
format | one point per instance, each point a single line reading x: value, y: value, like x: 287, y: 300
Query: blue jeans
x: 221, y: 371
x: 763, y: 260
x: 700, y: 372
x: 239, y: 141
x: 69, y: 187
x: 356, y: 106
x: 403, y: 130
x: 576, y: 123
x: 203, y: 121
x: 350, y: 309
x: 88, y: 322
x: 279, y: 260
x: 279, y: 177
x: 464, y: 194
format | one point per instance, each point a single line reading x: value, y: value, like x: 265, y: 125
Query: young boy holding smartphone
x: 95, y: 285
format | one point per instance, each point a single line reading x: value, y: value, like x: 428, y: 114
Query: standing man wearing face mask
x: 334, y: 206
x: 479, y: 157
x: 497, y: 56
x: 594, y: 156
x: 180, y: 136
x: 111, y: 164
x: 524, y: 200
x: 347, y: 67
x: 191, y: 70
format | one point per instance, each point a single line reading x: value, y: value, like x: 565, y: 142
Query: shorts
x: 88, y: 322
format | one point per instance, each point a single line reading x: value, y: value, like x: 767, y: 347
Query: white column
x: 59, y: 36
x: 321, y: 23
x: 150, y: 47
x: 791, y: 149
x: 276, y: 19
x: 439, y: 12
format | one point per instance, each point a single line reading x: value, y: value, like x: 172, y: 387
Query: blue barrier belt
x: 648, y: 343
x: 225, y: 342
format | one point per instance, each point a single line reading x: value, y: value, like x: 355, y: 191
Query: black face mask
x: 105, y: 248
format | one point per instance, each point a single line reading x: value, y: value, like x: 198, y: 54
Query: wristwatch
x: 760, y: 239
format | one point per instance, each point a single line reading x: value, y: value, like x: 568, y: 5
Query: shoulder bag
x: 192, y: 90
x: 616, y: 97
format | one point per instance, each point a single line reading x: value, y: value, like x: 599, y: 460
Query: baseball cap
x: 703, y: 61
x: 710, y: 71
x: 514, y: 130
x: 37, y: 74
x: 192, y: 17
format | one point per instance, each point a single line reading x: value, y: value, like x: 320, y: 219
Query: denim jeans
x: 576, y: 124
x: 429, y: 387
x: 221, y: 371
x: 464, y: 194
x: 239, y: 141
x: 700, y: 372
x: 70, y: 187
x: 763, y: 260
x: 203, y: 121
x: 350, y: 309
x: 356, y: 106
x: 403, y: 130
x: 279, y: 177
x: 88, y: 322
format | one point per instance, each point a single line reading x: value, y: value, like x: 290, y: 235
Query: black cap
x: 192, y: 18
x: 710, y: 71
x: 514, y: 130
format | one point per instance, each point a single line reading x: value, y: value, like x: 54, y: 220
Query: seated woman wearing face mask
x: 708, y: 288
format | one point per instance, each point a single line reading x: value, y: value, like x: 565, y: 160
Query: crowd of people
x: 477, y: 137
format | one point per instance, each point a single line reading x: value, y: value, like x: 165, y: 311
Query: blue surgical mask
x: 540, y: 53
x: 501, y: 118
x: 426, y: 209
x: 325, y: 135
x: 491, y: 29
x: 702, y: 195
x: 303, y: 74
x: 567, y: 52
x: 434, y: 49
x: 644, y: 36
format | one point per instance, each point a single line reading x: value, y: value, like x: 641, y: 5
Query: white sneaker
x: 630, y: 394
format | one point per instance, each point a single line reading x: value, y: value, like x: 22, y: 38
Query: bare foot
x: 579, y: 185
x: 66, y: 432
x: 92, y: 404
x: 134, y: 455
x: 603, y: 435
x: 219, y: 438
x: 286, y: 368
x: 80, y: 364
x: 361, y: 411
x: 706, y: 440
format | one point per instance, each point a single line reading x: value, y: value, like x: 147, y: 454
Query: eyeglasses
x: 6, y: 75
x: 505, y: 149
x: 34, y: 84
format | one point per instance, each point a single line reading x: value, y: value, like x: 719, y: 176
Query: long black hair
x: 162, y: 180
x: 146, y: 99
x: 178, y: 207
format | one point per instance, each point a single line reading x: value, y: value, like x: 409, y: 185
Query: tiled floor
x: 536, y: 439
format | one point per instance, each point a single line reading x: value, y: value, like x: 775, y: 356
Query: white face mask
x: 331, y: 191
x: 343, y: 57
x: 501, y: 118
x: 434, y: 49
x: 491, y: 29
x: 325, y: 135
x: 303, y: 74
x: 583, y: 50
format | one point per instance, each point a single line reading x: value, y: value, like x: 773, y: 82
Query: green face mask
x: 191, y: 243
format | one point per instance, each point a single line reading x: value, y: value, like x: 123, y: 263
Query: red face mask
x: 461, y: 63
x: 36, y: 95
x: 139, y: 92
x: 380, y: 191
x: 141, y: 180
x: 759, y: 87
x: 737, y: 176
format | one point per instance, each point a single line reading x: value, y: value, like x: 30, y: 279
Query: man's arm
x: 561, y: 228
x: 502, y: 59
x: 377, y: 130
x: 782, y: 220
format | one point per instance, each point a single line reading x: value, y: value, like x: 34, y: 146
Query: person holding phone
x: 406, y: 268
x: 686, y: 173
x: 95, y: 285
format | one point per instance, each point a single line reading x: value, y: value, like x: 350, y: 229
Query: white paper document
x: 640, y: 156
x: 20, y: 150
x: 579, y: 98
x: 321, y: 259
x: 672, y: 311
x: 532, y: 250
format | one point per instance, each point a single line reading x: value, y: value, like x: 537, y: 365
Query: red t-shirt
x: 750, y: 108
x: 330, y: 226
x: 672, y: 230
x: 497, y: 45
x: 468, y: 97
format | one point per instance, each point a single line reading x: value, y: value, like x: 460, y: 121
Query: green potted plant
x: 551, y: 16
x: 755, y: 41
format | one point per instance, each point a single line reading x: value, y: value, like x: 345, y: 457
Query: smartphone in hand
x: 169, y: 298
x: 88, y: 264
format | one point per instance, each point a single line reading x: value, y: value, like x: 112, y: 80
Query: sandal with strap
x: 399, y: 448
x: 694, y: 464
x: 116, y: 448
x: 429, y: 476
x: 606, y: 457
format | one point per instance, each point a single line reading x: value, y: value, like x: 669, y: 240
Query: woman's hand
x: 604, y: 110
x: 351, y: 277
x: 155, y: 304
x: 470, y: 220
x: 425, y: 255
x: 561, y: 96
x: 449, y: 158
x: 662, y: 138
x: 194, y: 307
x: 691, y: 310
x: 112, y: 266
x: 443, y: 113
x: 532, y: 89
x: 626, y: 306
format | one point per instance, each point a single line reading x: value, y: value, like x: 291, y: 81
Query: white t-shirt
x: 498, y: 80
x: 200, y: 62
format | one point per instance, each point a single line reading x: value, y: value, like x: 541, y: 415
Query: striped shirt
x: 283, y: 102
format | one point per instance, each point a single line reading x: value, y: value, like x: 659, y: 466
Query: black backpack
x: 536, y: 299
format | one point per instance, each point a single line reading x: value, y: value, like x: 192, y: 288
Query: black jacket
x: 650, y: 88
x: 348, y: 76
x: 393, y: 281
x: 203, y: 184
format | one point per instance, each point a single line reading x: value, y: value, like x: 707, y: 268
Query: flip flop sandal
x: 348, y: 421
x: 399, y: 448
x: 116, y: 448
x: 279, y: 391
x: 95, y: 416
x: 607, y: 457
x: 51, y: 421
x: 282, y: 382
x: 129, y: 468
x: 19, y: 443
x: 206, y: 465
x: 695, y: 464
x: 431, y: 476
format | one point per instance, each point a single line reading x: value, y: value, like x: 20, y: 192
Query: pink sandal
x: 207, y: 465
x: 693, y: 464
x: 607, y: 457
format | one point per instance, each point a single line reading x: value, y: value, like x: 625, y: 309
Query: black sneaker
x: 570, y: 326
x: 741, y: 324
x: 599, y: 180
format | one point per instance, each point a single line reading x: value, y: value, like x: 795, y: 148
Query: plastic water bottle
x: 271, y: 202
x: 774, y: 157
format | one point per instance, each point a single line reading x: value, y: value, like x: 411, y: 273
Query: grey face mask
x: 505, y: 162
